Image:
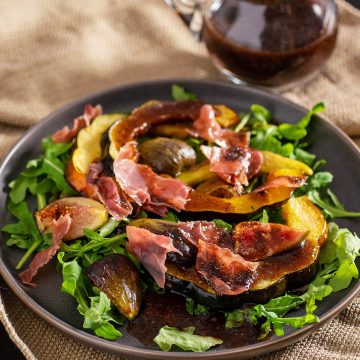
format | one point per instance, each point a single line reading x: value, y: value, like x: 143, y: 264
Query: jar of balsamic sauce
x: 272, y: 43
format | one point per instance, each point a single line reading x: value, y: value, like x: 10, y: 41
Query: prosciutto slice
x: 285, y: 181
x: 147, y: 188
x: 256, y: 241
x: 226, y: 272
x: 209, y: 129
x: 114, y: 199
x: 65, y: 134
x: 151, y: 250
x: 207, y: 231
x: 60, y: 228
x: 234, y: 164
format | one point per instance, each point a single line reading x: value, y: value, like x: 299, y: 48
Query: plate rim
x: 113, y: 347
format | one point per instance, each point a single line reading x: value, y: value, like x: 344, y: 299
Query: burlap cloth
x: 52, y: 52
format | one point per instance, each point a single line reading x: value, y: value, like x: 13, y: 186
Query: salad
x: 228, y: 211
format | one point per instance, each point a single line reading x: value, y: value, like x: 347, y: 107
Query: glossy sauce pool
x: 270, y: 42
x: 159, y: 310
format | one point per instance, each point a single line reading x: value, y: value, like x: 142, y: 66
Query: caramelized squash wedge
x: 271, y: 162
x: 197, y: 174
x: 274, y: 275
x: 274, y: 161
x: 301, y: 213
x: 244, y: 204
x: 88, y: 142
x: 78, y: 180
x: 225, y: 116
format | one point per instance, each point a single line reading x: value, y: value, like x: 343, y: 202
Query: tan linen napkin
x: 52, y: 52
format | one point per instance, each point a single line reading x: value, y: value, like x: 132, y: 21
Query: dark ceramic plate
x: 328, y: 142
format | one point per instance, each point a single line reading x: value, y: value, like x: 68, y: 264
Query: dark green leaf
x: 179, y: 93
x: 320, y: 180
x: 304, y: 156
x: 195, y: 309
x: 170, y: 216
x: 260, y: 113
x: 223, y: 224
x: 332, y: 210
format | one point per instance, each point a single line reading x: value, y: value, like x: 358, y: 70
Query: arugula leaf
x: 320, y: 180
x: 260, y: 113
x: 298, y: 131
x: 170, y: 216
x: 184, y: 339
x: 223, y: 224
x: 337, y: 270
x: 195, y: 309
x: 98, y: 315
x: 109, y: 227
x: 179, y: 93
x: 340, y: 250
x: 332, y: 207
x: 304, y: 156
x: 264, y: 217
x: 195, y: 144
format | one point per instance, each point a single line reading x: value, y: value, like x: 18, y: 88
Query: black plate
x: 59, y: 309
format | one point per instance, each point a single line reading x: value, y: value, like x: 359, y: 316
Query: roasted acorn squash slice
x: 274, y: 275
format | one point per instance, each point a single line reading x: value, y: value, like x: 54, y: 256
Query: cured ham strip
x: 60, y: 228
x: 151, y: 250
x: 147, y: 188
x: 129, y: 151
x: 234, y: 164
x: 209, y: 129
x: 256, y: 241
x: 65, y: 134
x: 283, y: 181
x: 207, y: 231
x: 108, y: 192
x: 226, y: 272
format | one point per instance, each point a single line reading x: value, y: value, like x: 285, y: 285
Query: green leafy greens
x: 98, y: 314
x: 195, y: 309
x: 42, y: 177
x: 184, y: 339
x: 179, y: 93
x: 337, y: 270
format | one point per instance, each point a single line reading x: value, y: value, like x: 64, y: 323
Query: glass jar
x: 272, y: 43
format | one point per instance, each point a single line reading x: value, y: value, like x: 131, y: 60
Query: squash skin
x: 244, y: 204
x: 275, y: 275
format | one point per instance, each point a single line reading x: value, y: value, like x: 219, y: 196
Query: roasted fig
x: 256, y: 241
x: 84, y: 213
x: 118, y: 278
x: 166, y: 155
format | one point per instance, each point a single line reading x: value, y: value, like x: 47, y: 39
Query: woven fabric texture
x: 53, y: 52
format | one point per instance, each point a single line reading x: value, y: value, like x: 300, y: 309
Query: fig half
x: 84, y: 213
x: 117, y: 277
